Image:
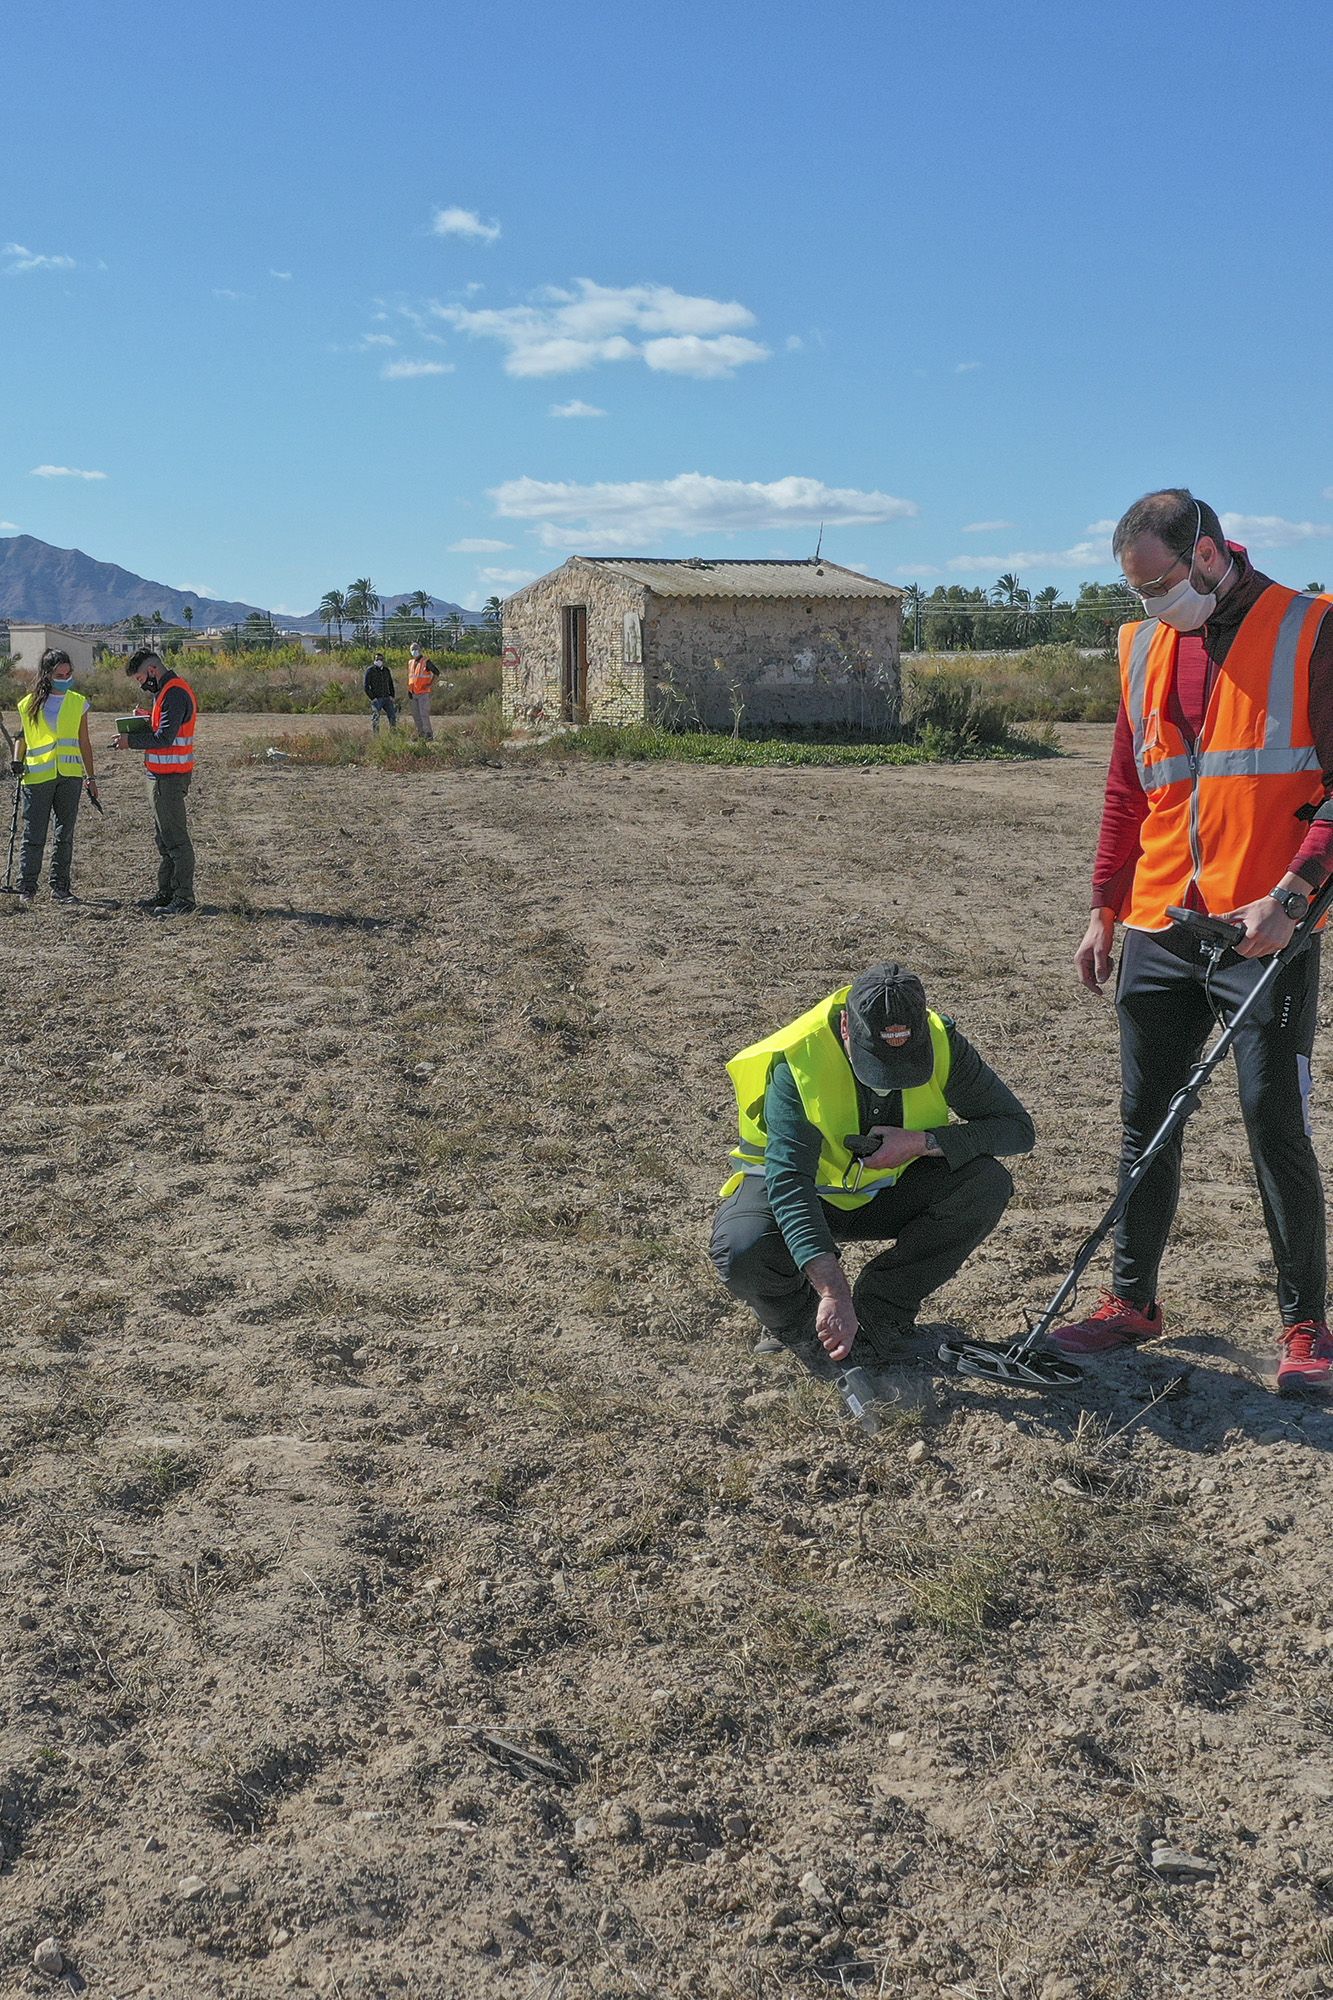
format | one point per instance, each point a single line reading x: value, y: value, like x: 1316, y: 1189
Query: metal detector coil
x: 1025, y: 1363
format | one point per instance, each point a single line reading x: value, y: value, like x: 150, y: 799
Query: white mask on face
x: 1183, y: 607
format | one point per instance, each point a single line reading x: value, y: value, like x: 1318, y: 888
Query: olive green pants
x: 171, y: 830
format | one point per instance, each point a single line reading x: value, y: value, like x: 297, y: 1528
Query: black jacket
x: 379, y: 684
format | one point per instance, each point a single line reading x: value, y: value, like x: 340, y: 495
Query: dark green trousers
x: 58, y: 799
x: 171, y: 830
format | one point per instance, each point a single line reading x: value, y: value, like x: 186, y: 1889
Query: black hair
x: 138, y: 661
x: 53, y: 657
x: 1173, y: 515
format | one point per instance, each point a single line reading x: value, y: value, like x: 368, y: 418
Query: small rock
x: 191, y: 1887
x: 279, y: 1937
x: 896, y: 1740
x: 585, y: 1829
x: 26, y: 1622
x: 231, y: 1892
x: 48, y: 1956
x: 916, y: 1452
x: 620, y: 1822
x: 152, y: 1845
x: 811, y: 1885
x: 1168, y: 1860
x: 736, y: 1826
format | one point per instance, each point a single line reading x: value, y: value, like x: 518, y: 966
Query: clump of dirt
x: 413, y: 1581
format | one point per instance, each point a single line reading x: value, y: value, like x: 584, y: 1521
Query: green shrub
x: 1060, y: 683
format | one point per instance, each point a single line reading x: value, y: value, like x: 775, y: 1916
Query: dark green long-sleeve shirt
x: 992, y: 1122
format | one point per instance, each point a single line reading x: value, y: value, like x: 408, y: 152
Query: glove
x: 16, y: 767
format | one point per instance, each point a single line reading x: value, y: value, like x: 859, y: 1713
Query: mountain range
x: 42, y: 583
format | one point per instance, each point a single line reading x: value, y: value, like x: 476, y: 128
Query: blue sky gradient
x: 962, y: 282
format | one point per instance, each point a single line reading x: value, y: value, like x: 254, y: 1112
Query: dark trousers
x: 383, y: 705
x: 171, y: 831
x: 1165, y: 1020
x: 936, y: 1216
x: 58, y: 799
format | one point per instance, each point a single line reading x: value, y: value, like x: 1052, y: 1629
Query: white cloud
x: 285, y: 276
x: 379, y: 340
x: 478, y: 545
x: 224, y: 292
x: 513, y: 578
x: 24, y: 259
x: 966, y: 367
x: 1327, y: 493
x: 576, y: 409
x: 916, y: 571
x: 564, y: 331
x: 706, y: 360
x: 464, y: 222
x: 1100, y: 528
x: 637, y: 513
x: 1083, y: 555
x: 793, y: 343
x: 62, y: 472
x: 1270, y: 531
x: 10, y: 528
x: 411, y: 371
x: 207, y: 590
x: 987, y: 527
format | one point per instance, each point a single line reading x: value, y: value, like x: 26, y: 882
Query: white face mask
x: 1183, y: 607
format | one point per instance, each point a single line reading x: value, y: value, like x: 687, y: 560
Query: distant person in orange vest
x: 422, y: 674
x: 168, y: 761
x: 1217, y: 799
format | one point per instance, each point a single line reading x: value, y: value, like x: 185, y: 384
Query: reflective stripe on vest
x: 176, y: 759
x: 1222, y: 812
x: 51, y: 753
x: 419, y: 677
x: 818, y: 1062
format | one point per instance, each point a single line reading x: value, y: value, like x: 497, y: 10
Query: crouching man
x: 847, y: 1133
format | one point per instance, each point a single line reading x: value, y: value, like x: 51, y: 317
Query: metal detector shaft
x: 1179, y: 1109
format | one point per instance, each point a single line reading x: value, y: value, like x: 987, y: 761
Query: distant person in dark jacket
x: 381, y: 694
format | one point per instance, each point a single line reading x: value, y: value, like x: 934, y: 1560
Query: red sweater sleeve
x: 1314, y: 856
x: 1123, y: 813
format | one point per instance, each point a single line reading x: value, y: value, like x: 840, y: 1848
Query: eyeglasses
x: 1155, y: 583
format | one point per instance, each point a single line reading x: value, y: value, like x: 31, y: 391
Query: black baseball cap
x: 888, y: 1030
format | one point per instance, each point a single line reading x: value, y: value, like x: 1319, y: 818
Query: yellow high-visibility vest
x: 51, y: 753
x: 818, y: 1061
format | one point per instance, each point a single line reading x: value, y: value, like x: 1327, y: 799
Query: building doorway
x: 574, y: 664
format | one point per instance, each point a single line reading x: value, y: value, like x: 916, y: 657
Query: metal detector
x: 1024, y: 1363
x: 10, y: 748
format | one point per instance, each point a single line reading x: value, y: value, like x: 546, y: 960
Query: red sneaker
x: 1306, y: 1367
x: 1114, y: 1323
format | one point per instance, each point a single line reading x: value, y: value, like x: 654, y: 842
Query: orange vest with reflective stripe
x: 1223, y: 813
x: 420, y: 675
x: 174, y: 760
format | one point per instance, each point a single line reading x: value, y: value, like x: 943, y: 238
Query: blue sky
x: 309, y: 288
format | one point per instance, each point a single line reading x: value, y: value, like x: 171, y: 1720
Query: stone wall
x: 532, y: 631
x: 784, y: 663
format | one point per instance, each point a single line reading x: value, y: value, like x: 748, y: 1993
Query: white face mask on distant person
x: 1183, y: 607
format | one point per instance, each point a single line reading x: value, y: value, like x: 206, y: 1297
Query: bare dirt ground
x: 411, y: 1580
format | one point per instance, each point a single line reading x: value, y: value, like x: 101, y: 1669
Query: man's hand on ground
x: 896, y: 1147
x: 1267, y: 928
x: 836, y: 1324
x: 1093, y: 957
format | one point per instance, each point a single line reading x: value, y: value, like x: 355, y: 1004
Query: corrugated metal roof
x: 695, y: 576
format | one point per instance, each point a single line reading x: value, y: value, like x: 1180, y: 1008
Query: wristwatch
x: 934, y: 1150
x: 1291, y: 902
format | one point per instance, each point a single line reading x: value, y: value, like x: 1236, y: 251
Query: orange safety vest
x: 420, y: 674
x: 1222, y: 814
x: 174, y: 760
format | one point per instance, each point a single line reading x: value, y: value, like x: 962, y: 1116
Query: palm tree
x: 454, y: 627
x: 1007, y: 590
x: 333, y: 610
x: 492, y: 610
x: 421, y: 602
x: 362, y: 603
x: 187, y: 613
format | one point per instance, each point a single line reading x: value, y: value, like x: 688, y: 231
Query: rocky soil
x: 411, y: 1580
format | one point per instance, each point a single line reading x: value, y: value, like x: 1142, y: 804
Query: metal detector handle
x: 1208, y: 930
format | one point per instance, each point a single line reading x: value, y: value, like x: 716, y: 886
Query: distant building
x: 26, y: 643
x: 711, y: 644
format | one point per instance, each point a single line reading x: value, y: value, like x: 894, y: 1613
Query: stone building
x: 26, y: 642
x: 719, y: 644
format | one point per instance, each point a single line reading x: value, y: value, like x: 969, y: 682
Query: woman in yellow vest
x: 847, y: 1132
x: 55, y: 757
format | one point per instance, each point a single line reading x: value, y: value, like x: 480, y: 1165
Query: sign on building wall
x: 633, y: 648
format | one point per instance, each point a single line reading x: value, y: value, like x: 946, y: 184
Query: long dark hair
x: 52, y: 658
